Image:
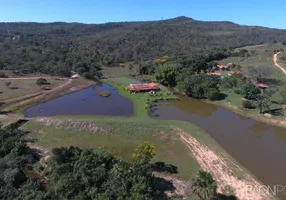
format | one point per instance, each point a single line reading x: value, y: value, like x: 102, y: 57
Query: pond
x: 259, y: 147
x: 84, y: 102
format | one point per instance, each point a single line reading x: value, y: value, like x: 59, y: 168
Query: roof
x: 261, y: 85
x: 74, y: 76
x: 222, y: 66
x: 143, y: 87
x: 215, y: 73
x: 234, y: 72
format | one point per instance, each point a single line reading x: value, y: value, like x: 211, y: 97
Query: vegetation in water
x: 104, y: 93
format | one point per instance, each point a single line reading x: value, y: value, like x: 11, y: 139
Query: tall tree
x: 204, y: 186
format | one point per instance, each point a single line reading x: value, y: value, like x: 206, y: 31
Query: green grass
x: 20, y: 88
x: 121, y: 140
x: 139, y: 99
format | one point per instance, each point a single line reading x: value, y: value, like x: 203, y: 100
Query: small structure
x: 75, y: 76
x: 262, y: 86
x: 217, y: 74
x: 234, y: 72
x: 145, y: 87
x: 222, y: 67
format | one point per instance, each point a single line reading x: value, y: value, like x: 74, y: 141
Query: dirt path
x: 26, y: 78
x: 275, y: 60
x: 44, y: 93
x: 33, y: 97
x: 223, y: 169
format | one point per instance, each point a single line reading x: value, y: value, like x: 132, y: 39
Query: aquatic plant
x: 104, y: 93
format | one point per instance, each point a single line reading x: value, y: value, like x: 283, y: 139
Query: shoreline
x: 241, y: 111
x: 257, y: 117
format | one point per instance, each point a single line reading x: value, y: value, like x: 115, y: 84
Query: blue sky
x: 247, y: 12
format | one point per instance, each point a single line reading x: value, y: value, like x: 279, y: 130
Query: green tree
x: 282, y: 93
x: 199, y: 86
x: 234, y: 81
x: 250, y: 91
x: 144, y: 153
x: 167, y: 73
x: 263, y: 101
x: 204, y: 186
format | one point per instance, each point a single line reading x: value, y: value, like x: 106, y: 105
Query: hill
x: 60, y: 47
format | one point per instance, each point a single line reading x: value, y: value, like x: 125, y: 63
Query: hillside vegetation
x: 58, y: 48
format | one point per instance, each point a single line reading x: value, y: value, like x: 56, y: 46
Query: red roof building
x: 262, y: 86
x: 222, y: 67
x: 215, y: 74
x: 234, y: 72
x: 143, y: 87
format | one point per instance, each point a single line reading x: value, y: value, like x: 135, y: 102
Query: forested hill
x: 57, y: 46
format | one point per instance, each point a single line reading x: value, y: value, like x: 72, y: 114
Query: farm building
x: 217, y: 74
x: 75, y: 76
x: 222, y: 67
x: 262, y: 86
x: 234, y: 72
x: 144, y: 87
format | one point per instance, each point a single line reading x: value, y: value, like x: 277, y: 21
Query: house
x: 217, y: 74
x: 222, y: 67
x: 145, y: 87
x: 234, y: 72
x: 262, y: 86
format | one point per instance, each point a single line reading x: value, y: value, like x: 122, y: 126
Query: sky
x: 267, y: 13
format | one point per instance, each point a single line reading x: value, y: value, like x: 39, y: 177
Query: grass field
x: 120, y: 137
x: 20, y: 88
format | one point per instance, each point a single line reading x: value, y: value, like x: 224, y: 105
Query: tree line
x: 59, y: 48
x: 74, y: 173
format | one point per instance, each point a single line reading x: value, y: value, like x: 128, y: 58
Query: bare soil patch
x: 75, y: 126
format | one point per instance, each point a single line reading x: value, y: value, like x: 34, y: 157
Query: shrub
x: 3, y: 75
x: 237, y: 91
x: 41, y: 81
x: 247, y: 105
x: 250, y: 91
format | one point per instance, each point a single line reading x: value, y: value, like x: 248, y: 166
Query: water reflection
x: 197, y: 107
x: 258, y: 129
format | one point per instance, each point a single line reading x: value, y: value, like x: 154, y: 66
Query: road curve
x: 275, y: 60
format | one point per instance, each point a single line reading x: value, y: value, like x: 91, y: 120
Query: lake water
x: 259, y: 147
x: 84, y: 102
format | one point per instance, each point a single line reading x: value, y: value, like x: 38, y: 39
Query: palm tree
x: 204, y: 186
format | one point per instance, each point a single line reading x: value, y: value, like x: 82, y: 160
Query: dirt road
x: 228, y: 175
x: 275, y: 60
x: 27, y: 78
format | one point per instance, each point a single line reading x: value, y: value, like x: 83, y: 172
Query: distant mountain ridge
x: 117, y: 42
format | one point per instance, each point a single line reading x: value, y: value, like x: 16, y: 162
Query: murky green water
x: 259, y: 147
